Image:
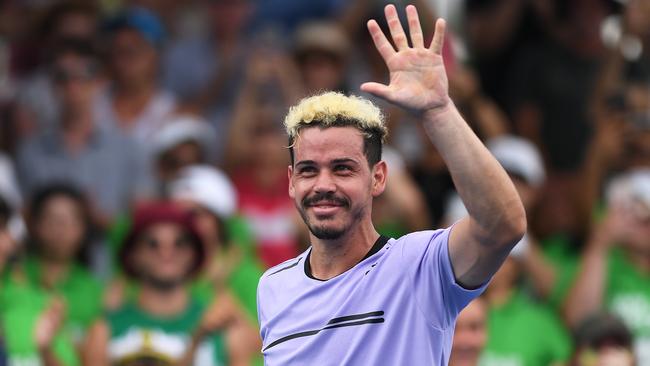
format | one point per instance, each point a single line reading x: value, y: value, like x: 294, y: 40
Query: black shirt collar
x: 381, y: 241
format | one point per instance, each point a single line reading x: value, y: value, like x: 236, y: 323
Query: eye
x: 342, y: 168
x: 307, y: 170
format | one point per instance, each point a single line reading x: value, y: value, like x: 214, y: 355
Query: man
x: 164, y: 324
x: 79, y: 152
x: 358, y: 298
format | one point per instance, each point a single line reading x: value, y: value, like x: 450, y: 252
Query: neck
x: 168, y: 302
x: 53, y: 270
x: 130, y: 101
x: 330, y: 258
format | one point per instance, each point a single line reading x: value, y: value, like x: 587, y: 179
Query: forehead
x: 323, y: 145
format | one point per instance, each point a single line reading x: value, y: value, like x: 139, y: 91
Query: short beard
x: 324, y: 232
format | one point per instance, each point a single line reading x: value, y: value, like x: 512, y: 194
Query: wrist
x: 439, y: 113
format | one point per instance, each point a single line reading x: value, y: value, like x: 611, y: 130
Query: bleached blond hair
x: 332, y: 109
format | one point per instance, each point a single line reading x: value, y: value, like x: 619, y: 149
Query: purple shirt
x: 398, y: 306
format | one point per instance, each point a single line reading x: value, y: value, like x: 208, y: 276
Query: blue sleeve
x: 439, y: 296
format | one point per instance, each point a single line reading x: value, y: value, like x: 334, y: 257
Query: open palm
x: 418, y: 81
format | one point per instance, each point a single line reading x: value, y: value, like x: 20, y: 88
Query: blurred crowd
x: 143, y: 171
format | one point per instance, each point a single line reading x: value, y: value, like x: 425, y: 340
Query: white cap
x: 208, y: 187
x: 518, y: 156
x: 181, y: 129
x: 632, y: 191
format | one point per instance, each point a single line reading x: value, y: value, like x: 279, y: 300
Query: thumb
x: 377, y: 89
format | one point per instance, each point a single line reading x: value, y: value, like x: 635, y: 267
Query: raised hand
x: 418, y: 81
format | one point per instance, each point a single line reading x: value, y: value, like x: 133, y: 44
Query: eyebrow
x: 335, y: 161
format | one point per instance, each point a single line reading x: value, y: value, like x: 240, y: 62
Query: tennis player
x: 355, y: 297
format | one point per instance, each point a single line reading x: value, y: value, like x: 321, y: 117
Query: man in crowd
x: 97, y: 160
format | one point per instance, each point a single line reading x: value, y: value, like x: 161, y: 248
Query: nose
x: 324, y: 182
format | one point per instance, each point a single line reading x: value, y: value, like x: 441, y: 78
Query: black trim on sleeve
x: 376, y: 247
x: 287, y: 267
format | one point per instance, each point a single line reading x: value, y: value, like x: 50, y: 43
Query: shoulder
x: 420, y: 241
x: 286, y: 269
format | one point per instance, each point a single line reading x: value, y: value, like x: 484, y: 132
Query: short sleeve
x: 439, y: 296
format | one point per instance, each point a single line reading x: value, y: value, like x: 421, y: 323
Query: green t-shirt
x: 627, y: 294
x: 521, y: 333
x: 138, y: 338
x: 23, y: 299
x: 565, y: 259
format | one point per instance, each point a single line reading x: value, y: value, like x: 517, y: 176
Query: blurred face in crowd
x: 134, y: 60
x: 606, y: 355
x: 207, y: 224
x: 182, y: 155
x: 230, y: 17
x: 60, y: 228
x: 321, y: 70
x: 637, y: 14
x: 164, y: 254
x: 331, y: 181
x: 470, y: 334
x: 77, y: 81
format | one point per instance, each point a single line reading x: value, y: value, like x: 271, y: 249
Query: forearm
x: 541, y: 272
x: 587, y: 292
x: 484, y: 187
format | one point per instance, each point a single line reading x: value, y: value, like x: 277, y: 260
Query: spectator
x: 165, y: 323
x: 470, y: 334
x: 49, y: 298
x: 231, y: 259
x: 183, y: 141
x: 135, y: 104
x: 204, y: 70
x: 37, y: 107
x: 603, y: 339
x: 614, y: 271
x: 102, y: 163
x: 321, y: 51
x: 258, y: 162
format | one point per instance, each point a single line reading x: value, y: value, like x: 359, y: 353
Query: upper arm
x: 475, y: 256
x: 95, y: 349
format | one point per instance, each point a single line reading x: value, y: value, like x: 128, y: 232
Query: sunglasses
x: 153, y: 243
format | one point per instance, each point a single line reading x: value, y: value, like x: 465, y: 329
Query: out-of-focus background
x: 117, y: 117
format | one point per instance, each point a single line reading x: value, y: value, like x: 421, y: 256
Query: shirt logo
x: 374, y: 317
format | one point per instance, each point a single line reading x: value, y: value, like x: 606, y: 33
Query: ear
x: 290, y: 174
x: 379, y: 176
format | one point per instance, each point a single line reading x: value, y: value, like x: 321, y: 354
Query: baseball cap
x: 518, y: 156
x: 151, y: 213
x: 207, y: 186
x: 182, y: 129
x: 141, y: 20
